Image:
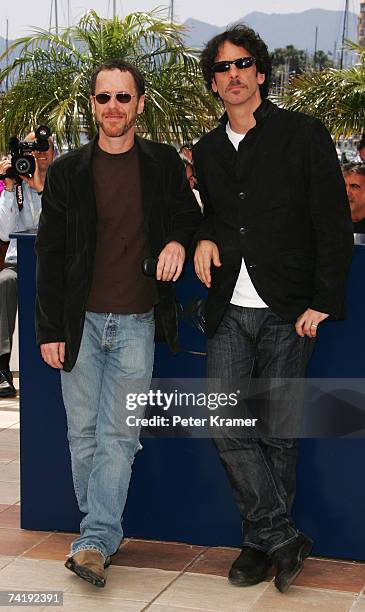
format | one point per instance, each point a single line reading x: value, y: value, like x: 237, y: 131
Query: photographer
x: 14, y: 217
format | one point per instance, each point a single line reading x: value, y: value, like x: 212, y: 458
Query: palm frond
x: 49, y: 76
x: 336, y: 96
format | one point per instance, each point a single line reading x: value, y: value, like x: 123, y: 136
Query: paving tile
x: 131, y: 583
x: 10, y: 472
x: 82, y: 603
x: 216, y: 561
x: 9, y: 404
x: 9, y: 437
x: 302, y: 599
x: 161, y: 608
x: 7, y: 417
x: 161, y: 555
x: 15, y: 542
x: 209, y: 593
x: 5, y: 560
x: 55, y: 547
x: 35, y: 574
x: 335, y: 575
x: 12, y: 608
x: 9, y: 492
x: 359, y: 605
x: 8, y: 454
x: 10, y: 517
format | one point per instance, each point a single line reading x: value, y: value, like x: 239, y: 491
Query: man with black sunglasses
x: 106, y: 208
x: 274, y: 250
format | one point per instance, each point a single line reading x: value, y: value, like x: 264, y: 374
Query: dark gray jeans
x: 8, y: 307
x: 250, y: 344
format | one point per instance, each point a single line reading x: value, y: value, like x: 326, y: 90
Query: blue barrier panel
x: 179, y: 490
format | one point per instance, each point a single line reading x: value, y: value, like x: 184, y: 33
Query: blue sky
x: 22, y: 14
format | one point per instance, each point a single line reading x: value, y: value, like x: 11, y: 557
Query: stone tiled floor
x: 155, y: 576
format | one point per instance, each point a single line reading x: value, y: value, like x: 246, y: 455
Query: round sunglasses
x: 242, y: 62
x: 123, y: 97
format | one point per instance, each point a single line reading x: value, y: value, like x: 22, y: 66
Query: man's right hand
x: 205, y: 253
x: 5, y: 163
x: 53, y: 353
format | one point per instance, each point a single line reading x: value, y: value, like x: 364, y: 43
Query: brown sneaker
x: 89, y: 565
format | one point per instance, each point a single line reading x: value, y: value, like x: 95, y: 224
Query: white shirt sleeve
x: 8, y: 214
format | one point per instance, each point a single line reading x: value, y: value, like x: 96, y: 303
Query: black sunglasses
x: 242, y: 62
x: 123, y: 97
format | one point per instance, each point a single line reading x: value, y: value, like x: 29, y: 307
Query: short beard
x: 116, y: 134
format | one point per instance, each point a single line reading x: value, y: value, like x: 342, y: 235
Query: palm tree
x: 50, y: 78
x: 336, y: 96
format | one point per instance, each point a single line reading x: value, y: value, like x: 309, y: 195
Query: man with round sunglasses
x: 106, y: 208
x: 274, y: 250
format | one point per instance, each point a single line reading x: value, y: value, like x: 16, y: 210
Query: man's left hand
x: 308, y: 322
x: 170, y: 262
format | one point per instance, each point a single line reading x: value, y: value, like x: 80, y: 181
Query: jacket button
x: 243, y: 230
x: 242, y: 195
x: 252, y: 266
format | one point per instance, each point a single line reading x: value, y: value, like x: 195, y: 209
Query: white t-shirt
x: 244, y: 293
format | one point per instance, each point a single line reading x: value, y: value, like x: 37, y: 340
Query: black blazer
x: 280, y: 203
x: 66, y: 240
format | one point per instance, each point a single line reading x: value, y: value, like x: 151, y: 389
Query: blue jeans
x: 256, y: 343
x: 115, y: 358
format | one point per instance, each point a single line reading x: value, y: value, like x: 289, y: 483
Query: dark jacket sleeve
x: 50, y: 251
x: 331, y: 217
x: 206, y: 229
x: 184, y: 210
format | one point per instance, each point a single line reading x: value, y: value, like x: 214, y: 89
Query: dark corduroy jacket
x: 66, y: 240
x: 280, y: 203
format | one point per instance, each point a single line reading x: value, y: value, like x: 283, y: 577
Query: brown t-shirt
x: 118, y: 285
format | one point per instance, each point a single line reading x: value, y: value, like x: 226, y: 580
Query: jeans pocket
x: 145, y: 317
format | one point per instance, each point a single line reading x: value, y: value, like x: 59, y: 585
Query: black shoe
x: 7, y: 388
x: 250, y: 567
x: 288, y: 561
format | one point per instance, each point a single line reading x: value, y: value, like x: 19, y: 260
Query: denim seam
x: 271, y: 478
x: 88, y: 547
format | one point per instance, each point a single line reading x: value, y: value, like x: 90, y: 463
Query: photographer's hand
x: 36, y: 182
x: 5, y: 163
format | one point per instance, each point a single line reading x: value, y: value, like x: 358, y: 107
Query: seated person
x: 354, y: 175
x: 14, y: 218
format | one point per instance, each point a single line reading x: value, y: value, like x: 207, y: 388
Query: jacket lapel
x: 85, y: 184
x: 149, y: 174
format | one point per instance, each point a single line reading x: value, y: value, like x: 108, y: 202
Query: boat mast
x: 7, y: 54
x: 344, y: 31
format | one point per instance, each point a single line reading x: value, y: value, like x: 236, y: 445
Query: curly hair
x: 241, y: 36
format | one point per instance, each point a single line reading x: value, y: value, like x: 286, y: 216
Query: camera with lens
x: 22, y: 160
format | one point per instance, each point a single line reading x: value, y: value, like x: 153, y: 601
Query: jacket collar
x: 263, y: 111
